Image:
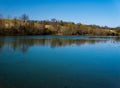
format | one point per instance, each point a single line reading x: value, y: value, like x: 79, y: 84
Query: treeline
x: 24, y: 26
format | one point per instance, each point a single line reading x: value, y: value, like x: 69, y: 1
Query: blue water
x: 59, y: 62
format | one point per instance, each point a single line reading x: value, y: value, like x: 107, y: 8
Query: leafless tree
x: 53, y: 20
x: 24, y: 17
x: 9, y: 16
x: 1, y: 16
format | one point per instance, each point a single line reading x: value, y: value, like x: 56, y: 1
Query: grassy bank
x: 53, y: 27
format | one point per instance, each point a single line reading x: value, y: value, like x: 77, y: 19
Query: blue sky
x: 99, y: 12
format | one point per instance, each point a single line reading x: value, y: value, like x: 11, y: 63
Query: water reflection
x: 59, y: 62
x: 22, y: 43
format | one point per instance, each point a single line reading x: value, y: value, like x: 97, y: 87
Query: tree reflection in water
x: 22, y: 44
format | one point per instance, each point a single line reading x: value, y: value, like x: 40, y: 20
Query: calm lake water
x: 59, y: 62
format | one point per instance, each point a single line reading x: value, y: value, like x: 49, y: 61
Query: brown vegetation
x: 23, y: 26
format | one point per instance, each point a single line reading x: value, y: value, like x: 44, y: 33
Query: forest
x: 24, y: 26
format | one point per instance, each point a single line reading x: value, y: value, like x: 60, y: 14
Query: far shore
x: 26, y: 27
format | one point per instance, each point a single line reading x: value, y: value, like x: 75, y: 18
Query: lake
x: 59, y: 62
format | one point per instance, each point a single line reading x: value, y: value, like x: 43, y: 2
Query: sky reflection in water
x: 59, y: 62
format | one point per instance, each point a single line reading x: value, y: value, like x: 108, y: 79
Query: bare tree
x: 24, y: 17
x: 8, y: 16
x: 53, y: 20
x: 15, y: 21
x: 1, y: 21
x: 1, y: 16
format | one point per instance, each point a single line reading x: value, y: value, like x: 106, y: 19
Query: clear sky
x: 99, y: 12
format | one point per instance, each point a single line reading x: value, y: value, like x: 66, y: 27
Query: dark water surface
x: 59, y: 62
